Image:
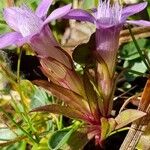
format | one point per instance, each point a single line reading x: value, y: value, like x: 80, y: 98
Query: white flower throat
x: 109, y: 14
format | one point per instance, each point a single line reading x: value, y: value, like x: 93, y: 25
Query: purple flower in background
x: 108, y: 20
x: 26, y: 23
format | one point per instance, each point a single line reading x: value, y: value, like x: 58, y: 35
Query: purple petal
x: 133, y: 9
x: 43, y: 7
x: 24, y: 40
x: 10, y: 17
x: 23, y: 20
x: 139, y: 22
x: 9, y: 39
x: 80, y: 15
x: 45, y: 45
x: 58, y: 13
x: 107, y: 42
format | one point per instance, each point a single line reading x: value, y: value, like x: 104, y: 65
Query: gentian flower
x: 109, y: 20
x: 26, y: 23
x: 32, y: 28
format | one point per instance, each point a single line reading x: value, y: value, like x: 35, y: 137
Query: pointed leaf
x: 58, y: 109
x: 69, y: 97
x: 104, y: 128
x: 128, y: 116
x: 107, y: 126
x: 62, y: 75
x: 91, y: 97
x: 112, y: 125
x: 59, y: 138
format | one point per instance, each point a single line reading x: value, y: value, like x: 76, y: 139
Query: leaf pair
x: 75, y: 104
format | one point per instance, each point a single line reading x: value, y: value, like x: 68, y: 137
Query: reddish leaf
x: 58, y: 109
x: 62, y: 75
x: 91, y: 97
x: 69, y: 97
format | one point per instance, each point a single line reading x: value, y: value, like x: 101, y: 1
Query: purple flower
x: 26, y: 23
x: 108, y: 20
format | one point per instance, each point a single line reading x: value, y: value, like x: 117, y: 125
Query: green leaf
x: 129, y: 51
x: 133, y: 60
x: 128, y: 116
x: 138, y: 68
x: 112, y: 125
x: 137, y: 65
x: 37, y: 96
x: 6, y: 134
x: 107, y: 126
x: 10, y: 136
x: 104, y: 128
x: 59, y: 138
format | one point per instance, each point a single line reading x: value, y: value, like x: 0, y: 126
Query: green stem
x: 15, y: 123
x: 119, y: 130
x: 138, y: 49
x: 18, y: 64
x: 132, y: 71
x: 18, y: 80
x: 146, y: 56
x: 19, y: 90
x: 60, y: 122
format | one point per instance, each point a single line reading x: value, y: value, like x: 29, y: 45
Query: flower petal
x: 45, y: 45
x: 9, y: 39
x: 10, y: 17
x: 80, y: 15
x: 23, y: 20
x: 133, y: 9
x: 107, y: 42
x: 139, y: 22
x: 43, y: 7
x: 58, y: 13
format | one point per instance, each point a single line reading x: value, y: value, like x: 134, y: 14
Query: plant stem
x: 25, y: 132
x: 20, y: 92
x: 146, y: 56
x: 138, y: 49
x: 60, y: 122
x: 18, y: 64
